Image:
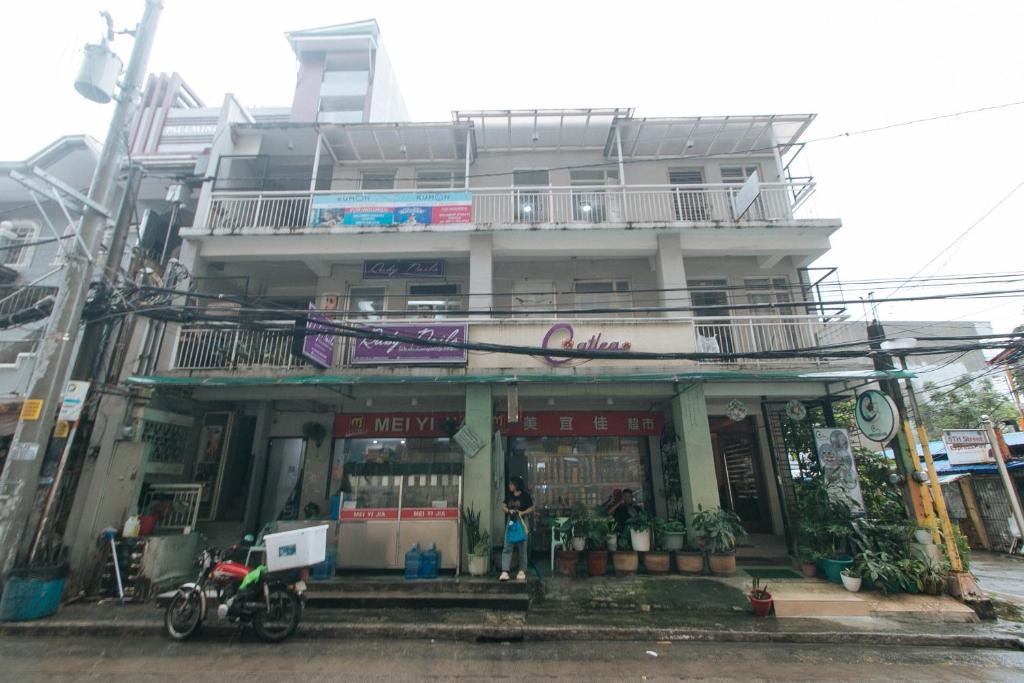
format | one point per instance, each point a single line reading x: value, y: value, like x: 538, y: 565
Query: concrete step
x: 399, y: 585
x: 417, y: 600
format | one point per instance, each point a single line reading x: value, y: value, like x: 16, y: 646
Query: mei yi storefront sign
x: 537, y: 423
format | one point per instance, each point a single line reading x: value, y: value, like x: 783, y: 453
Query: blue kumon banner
x: 390, y: 209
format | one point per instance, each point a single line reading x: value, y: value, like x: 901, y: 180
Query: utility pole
x: 19, y: 484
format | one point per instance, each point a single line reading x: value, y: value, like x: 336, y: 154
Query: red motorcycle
x: 270, y: 602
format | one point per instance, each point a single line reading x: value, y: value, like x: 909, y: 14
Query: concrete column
x: 260, y: 442
x: 478, y: 472
x: 306, y: 100
x: 696, y: 458
x: 481, y: 274
x: 668, y: 263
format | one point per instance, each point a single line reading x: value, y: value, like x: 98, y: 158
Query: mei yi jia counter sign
x: 390, y: 209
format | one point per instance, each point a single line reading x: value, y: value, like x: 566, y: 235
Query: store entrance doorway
x: 741, y: 482
x: 282, y: 487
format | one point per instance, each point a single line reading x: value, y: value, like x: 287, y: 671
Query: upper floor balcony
x: 507, y: 207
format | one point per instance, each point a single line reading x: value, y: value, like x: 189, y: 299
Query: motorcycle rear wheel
x: 282, y: 619
x: 184, y: 615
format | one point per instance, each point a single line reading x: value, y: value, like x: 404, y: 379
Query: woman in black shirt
x: 517, y: 502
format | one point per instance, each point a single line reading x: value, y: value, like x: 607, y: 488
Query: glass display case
x: 396, y: 493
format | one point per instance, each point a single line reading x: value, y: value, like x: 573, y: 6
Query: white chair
x: 558, y: 540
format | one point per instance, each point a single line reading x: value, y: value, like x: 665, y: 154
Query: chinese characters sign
x: 384, y: 270
x: 588, y: 423
x: 318, y: 341
x: 390, y: 209
x: 386, y: 351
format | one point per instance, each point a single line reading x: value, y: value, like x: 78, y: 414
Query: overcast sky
x: 902, y: 194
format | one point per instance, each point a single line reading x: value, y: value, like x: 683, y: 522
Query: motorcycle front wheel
x: 283, y: 618
x: 184, y: 615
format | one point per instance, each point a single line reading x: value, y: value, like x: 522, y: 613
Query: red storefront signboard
x: 414, y: 425
x: 587, y: 423
x: 537, y: 423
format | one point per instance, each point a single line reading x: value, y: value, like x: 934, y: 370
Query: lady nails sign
x: 563, y: 336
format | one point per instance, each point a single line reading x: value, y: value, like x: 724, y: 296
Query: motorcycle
x: 269, y: 602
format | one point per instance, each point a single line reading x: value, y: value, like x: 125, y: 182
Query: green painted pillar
x: 478, y: 472
x: 696, y: 458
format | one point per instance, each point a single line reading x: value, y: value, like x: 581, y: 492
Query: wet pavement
x: 218, y: 659
x: 1002, y: 576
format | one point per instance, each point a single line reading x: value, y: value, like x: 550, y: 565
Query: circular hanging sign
x: 736, y: 410
x: 796, y: 410
x: 877, y: 416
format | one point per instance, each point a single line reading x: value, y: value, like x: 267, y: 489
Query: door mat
x: 772, y: 573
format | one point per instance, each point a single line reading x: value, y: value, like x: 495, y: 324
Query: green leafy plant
x: 759, y: 592
x: 471, y: 524
x: 963, y: 548
x: 483, y: 545
x: 639, y: 521
x: 717, y: 529
x: 674, y: 526
x: 876, y: 568
x: 597, y: 532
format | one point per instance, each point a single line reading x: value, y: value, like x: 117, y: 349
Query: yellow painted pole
x: 919, y: 495
x: 936, y: 489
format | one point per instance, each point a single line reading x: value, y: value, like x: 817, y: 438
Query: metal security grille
x: 995, y: 510
x: 166, y: 441
x: 773, y: 416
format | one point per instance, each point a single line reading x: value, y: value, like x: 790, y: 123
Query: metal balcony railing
x: 233, y: 348
x: 767, y: 333
x: 540, y: 205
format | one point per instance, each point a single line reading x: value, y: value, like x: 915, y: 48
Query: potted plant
x: 934, y: 576
x: 579, y: 523
x: 611, y: 533
x: 640, y: 525
x: 836, y: 559
x: 477, y: 543
x: 923, y: 535
x: 808, y: 560
x: 760, y: 599
x: 690, y: 560
x: 597, y: 553
x: 718, y: 530
x: 658, y: 561
x: 566, y: 558
x: 851, y: 578
x: 673, y: 535
x: 625, y: 559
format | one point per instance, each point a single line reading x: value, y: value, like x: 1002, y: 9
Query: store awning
x: 525, y: 378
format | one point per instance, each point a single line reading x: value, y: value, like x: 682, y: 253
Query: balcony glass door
x: 689, y: 203
x: 774, y: 328
x: 531, y: 196
x: 714, y: 330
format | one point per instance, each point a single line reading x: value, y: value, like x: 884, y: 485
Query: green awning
x: 524, y: 378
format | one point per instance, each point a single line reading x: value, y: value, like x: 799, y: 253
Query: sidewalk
x: 660, y: 608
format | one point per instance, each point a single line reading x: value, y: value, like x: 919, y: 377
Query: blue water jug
x: 413, y: 562
x: 429, y: 561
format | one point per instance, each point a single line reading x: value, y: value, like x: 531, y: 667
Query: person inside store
x: 518, y: 506
x: 623, y: 508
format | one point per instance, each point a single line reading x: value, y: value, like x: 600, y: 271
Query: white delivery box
x: 296, y: 548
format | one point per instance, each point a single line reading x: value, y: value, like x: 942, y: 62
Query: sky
x: 902, y: 194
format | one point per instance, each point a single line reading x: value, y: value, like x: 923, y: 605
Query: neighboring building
x: 590, y: 228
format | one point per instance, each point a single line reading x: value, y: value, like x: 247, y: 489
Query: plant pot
x: 851, y: 583
x: 934, y: 586
x: 478, y: 565
x: 722, y: 563
x: 566, y: 561
x: 641, y: 540
x: 690, y: 562
x: 579, y: 543
x: 613, y: 542
x: 809, y: 569
x: 923, y: 536
x: 761, y: 607
x: 147, y: 524
x: 625, y: 562
x: 657, y: 562
x: 597, y: 562
x: 674, y: 540
x: 833, y: 567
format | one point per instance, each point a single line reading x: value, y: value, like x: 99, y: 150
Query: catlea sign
x: 563, y: 336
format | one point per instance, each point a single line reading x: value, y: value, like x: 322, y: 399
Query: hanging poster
x: 390, y: 209
x: 837, y: 464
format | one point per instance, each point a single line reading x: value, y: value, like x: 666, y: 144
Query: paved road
x: 210, y: 659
